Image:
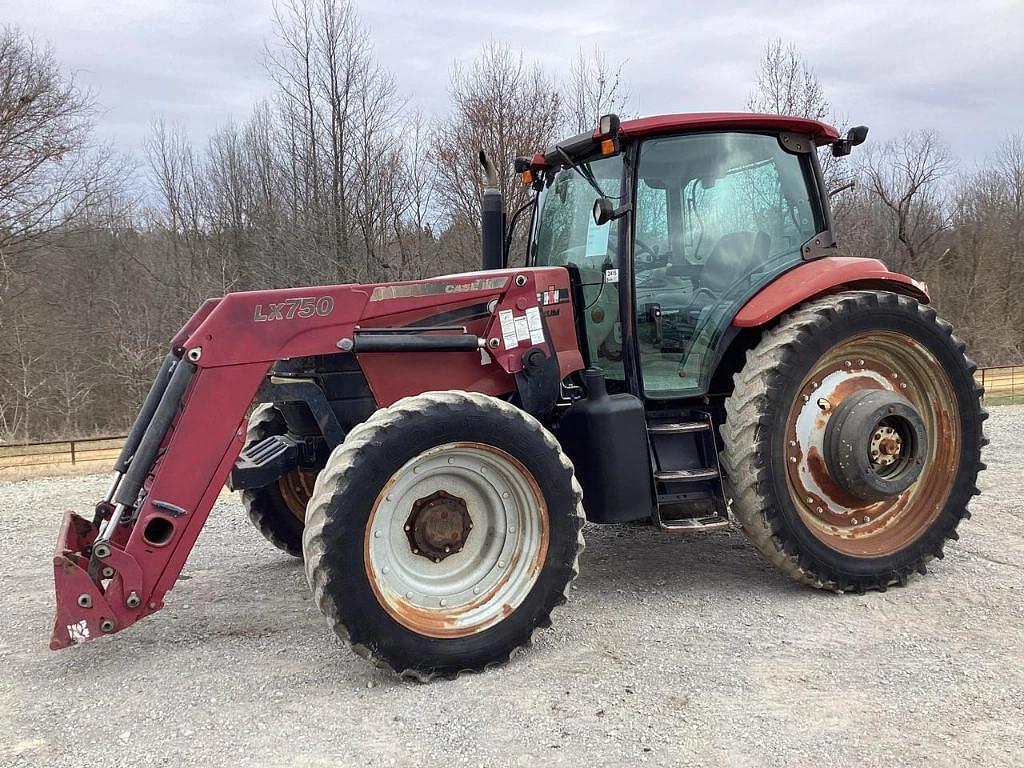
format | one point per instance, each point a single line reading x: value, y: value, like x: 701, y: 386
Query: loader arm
x: 117, y: 568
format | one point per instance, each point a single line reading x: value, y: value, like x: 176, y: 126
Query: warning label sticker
x: 534, y: 323
x: 508, y: 329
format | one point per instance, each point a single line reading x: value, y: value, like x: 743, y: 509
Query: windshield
x: 564, y: 229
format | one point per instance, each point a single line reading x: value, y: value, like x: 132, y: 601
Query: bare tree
x: 50, y: 170
x: 594, y: 88
x: 906, y: 175
x: 786, y: 85
x: 504, y: 106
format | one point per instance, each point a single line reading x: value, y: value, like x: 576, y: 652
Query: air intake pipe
x: 492, y: 222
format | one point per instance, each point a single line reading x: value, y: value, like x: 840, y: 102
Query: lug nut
x: 108, y: 572
x: 84, y: 601
x: 107, y: 625
x: 132, y: 601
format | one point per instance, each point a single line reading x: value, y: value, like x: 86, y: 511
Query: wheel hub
x: 438, y: 526
x: 874, y: 444
x: 886, y: 446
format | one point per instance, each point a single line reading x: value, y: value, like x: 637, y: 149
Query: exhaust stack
x: 492, y: 220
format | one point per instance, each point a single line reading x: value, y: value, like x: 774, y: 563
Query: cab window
x: 718, y: 215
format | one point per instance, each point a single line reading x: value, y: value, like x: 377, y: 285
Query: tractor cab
x: 671, y: 224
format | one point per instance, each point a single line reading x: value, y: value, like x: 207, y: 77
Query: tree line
x: 336, y: 178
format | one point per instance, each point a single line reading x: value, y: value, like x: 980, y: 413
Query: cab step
x: 695, y: 524
x: 678, y: 427
x: 686, y: 475
x: 690, y: 494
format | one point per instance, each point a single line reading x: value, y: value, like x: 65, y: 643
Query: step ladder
x: 687, y: 474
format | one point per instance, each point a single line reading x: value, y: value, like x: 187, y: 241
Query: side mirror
x: 854, y: 137
x: 604, y: 211
x: 608, y: 125
x: 857, y: 135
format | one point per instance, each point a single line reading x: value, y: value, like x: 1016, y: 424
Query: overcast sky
x: 954, y: 66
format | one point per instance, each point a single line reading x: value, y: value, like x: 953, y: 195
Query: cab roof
x: 742, y: 121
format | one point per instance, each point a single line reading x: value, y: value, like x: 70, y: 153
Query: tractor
x: 683, y: 348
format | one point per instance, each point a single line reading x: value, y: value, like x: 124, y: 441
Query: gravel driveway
x: 673, y: 650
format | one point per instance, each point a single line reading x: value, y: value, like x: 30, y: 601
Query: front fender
x: 823, y: 276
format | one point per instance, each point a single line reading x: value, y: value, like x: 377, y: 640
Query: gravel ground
x: 672, y: 651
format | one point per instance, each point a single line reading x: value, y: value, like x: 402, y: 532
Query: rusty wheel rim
x: 883, y: 361
x: 495, y: 558
x: 296, y: 489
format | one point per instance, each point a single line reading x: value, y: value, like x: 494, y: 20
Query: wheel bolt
x: 443, y: 602
x: 501, y: 563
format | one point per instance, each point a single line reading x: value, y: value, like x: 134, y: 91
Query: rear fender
x: 820, y: 277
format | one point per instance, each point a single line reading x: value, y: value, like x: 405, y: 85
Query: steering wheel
x: 644, y: 254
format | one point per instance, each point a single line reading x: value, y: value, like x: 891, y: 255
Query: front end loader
x: 684, y: 347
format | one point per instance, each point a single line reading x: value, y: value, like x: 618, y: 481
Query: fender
x: 823, y: 276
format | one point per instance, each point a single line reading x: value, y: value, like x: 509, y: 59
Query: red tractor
x: 682, y: 347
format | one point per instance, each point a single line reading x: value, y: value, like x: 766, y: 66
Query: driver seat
x: 734, y: 255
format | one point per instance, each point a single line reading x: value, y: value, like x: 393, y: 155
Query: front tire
x: 831, y: 507
x: 442, y: 533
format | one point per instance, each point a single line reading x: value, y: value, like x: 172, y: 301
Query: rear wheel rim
x: 494, y: 565
x: 886, y: 361
x: 296, y: 488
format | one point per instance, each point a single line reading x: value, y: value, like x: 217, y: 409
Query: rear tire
x: 277, y: 510
x: 793, y: 384
x: 442, y: 533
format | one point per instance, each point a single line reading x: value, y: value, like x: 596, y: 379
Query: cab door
x: 717, y: 216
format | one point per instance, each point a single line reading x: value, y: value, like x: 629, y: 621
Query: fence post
x: 72, y: 452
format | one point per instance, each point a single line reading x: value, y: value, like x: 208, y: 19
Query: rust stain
x: 852, y: 385
x: 819, y: 471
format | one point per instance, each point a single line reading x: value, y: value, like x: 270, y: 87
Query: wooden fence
x: 1004, y: 385
x: 95, y: 454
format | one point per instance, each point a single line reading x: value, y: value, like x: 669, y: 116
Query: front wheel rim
x: 494, y: 560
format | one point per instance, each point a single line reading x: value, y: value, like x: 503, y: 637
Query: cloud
x: 947, y: 65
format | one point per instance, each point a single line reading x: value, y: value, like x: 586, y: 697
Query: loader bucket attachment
x: 116, y: 568
x: 77, y: 594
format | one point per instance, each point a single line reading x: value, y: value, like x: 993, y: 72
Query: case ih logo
x: 552, y: 296
x: 295, y: 308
